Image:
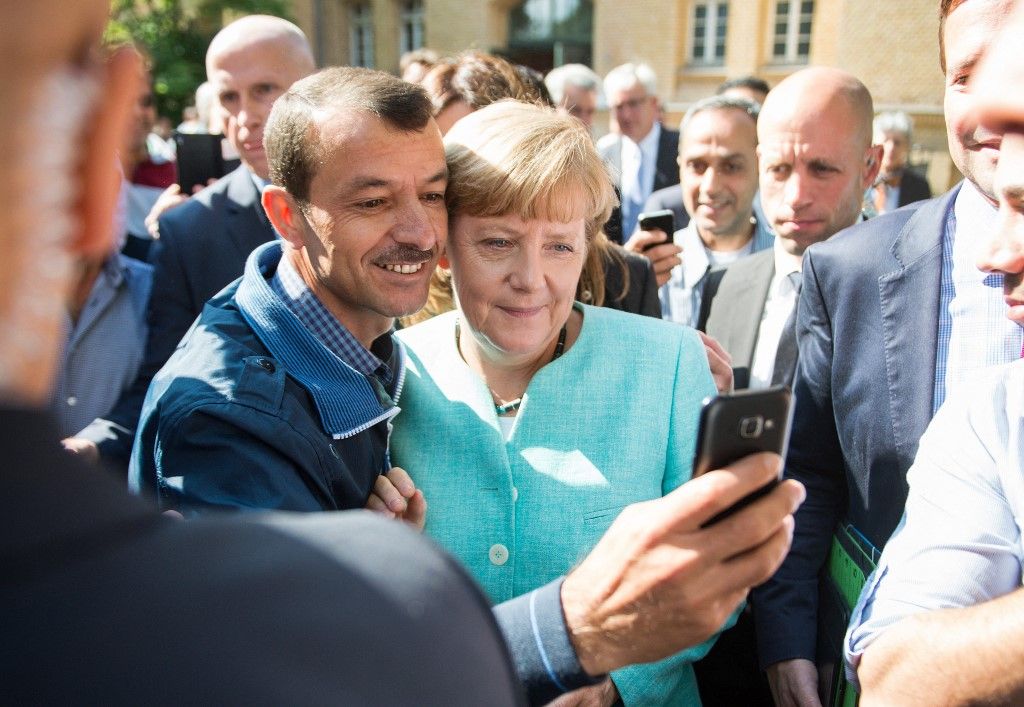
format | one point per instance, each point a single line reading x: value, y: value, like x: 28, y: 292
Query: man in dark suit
x: 816, y: 160
x: 897, y: 184
x: 642, y: 154
x: 203, y: 243
x: 106, y: 601
x: 893, y: 313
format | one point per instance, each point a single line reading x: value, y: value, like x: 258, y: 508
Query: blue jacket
x: 253, y: 412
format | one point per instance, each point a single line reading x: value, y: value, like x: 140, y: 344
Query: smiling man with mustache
x: 282, y: 394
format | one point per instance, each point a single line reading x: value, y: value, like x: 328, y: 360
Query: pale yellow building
x: 693, y: 45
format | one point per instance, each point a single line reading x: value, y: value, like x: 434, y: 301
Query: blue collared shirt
x: 681, y: 296
x: 973, y: 332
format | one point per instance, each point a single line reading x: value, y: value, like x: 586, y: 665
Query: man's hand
x: 794, y: 683
x: 396, y: 496
x: 658, y: 583
x: 720, y: 362
x: 663, y: 256
x: 170, y: 198
x: 83, y: 448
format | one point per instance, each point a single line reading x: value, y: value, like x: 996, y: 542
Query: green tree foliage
x: 175, y: 34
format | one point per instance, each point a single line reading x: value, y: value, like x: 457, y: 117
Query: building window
x: 710, y: 20
x: 360, y: 23
x: 547, y: 33
x: 411, y: 26
x: 792, y: 41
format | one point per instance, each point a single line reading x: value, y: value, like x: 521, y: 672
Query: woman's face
x: 515, y: 280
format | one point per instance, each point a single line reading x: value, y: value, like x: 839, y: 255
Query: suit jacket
x: 666, y: 172
x: 107, y: 602
x: 731, y: 308
x: 913, y: 187
x: 671, y: 198
x: 642, y: 295
x: 202, y: 248
x: 867, y: 329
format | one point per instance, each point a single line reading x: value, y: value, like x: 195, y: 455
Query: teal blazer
x: 611, y: 422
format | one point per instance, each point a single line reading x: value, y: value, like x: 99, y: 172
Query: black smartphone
x: 662, y: 220
x: 200, y: 158
x: 734, y: 426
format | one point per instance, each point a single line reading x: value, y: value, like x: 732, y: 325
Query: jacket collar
x: 347, y: 401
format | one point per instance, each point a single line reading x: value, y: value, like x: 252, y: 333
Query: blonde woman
x: 530, y: 420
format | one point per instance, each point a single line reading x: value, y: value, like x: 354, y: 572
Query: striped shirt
x: 289, y: 286
x: 974, y: 332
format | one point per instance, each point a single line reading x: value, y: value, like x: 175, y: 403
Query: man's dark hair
x: 482, y: 79
x: 292, y: 134
x: 752, y: 82
x: 945, y: 7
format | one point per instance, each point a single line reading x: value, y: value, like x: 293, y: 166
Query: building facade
x: 693, y: 45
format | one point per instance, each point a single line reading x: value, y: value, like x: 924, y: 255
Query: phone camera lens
x: 751, y: 427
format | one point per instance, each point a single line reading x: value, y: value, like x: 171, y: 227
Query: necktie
x: 632, y: 196
x: 786, y: 354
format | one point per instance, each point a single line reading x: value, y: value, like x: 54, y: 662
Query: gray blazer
x: 731, y: 308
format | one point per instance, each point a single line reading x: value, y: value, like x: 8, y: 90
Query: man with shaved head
x: 893, y: 314
x: 203, y: 243
x: 816, y: 160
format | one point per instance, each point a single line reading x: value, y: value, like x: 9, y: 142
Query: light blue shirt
x: 681, y: 296
x: 974, y: 332
x: 959, y: 542
x: 104, y: 347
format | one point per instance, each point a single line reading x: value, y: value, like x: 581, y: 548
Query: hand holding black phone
x: 738, y: 425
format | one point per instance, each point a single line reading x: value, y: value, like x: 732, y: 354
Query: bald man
x: 893, y: 313
x: 816, y: 160
x: 204, y: 243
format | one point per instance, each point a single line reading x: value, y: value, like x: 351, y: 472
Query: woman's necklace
x: 513, y: 405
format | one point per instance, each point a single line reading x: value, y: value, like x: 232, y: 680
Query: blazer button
x: 267, y: 365
x: 498, y: 554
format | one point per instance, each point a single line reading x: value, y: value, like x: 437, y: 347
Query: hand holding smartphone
x: 737, y: 425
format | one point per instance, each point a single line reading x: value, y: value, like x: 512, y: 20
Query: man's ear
x: 283, y: 212
x: 872, y: 165
x: 107, y: 129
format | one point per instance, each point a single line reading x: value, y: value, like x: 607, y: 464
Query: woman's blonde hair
x: 518, y: 158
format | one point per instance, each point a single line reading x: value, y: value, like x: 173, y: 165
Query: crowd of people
x: 436, y: 306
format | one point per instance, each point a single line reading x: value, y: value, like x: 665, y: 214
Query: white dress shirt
x: 959, y: 542
x: 780, y: 303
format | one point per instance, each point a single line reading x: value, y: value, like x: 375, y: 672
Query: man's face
x: 813, y: 174
x: 968, y: 32
x: 718, y: 170
x: 580, y: 104
x: 895, y: 148
x: 1000, y: 97
x: 247, y: 81
x: 634, y: 110
x: 377, y: 219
